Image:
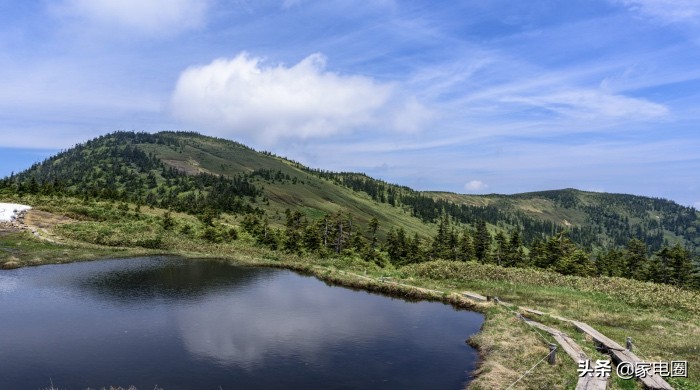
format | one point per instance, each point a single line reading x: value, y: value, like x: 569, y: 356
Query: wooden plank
x: 592, y: 383
x: 474, y: 296
x: 570, y: 347
x: 562, y: 319
x: 532, y: 311
x: 620, y: 354
x: 597, y: 336
x: 652, y: 381
x: 543, y: 327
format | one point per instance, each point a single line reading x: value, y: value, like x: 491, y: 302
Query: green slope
x: 598, y: 219
x: 108, y: 162
x: 180, y: 169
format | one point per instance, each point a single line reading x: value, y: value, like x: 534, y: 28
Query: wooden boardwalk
x: 597, y: 336
x: 574, y: 351
x: 474, y: 296
x: 620, y: 354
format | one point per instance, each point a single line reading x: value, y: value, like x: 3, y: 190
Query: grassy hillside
x: 179, y: 170
x: 285, y: 184
x: 598, y: 219
x: 175, y: 170
x: 663, y: 320
x: 127, y: 194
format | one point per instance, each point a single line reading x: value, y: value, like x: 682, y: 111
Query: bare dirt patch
x: 45, y: 220
x: 190, y: 167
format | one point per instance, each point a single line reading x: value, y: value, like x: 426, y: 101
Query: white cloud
x: 593, y: 104
x: 667, y: 11
x: 243, y: 96
x: 157, y: 17
x: 476, y: 185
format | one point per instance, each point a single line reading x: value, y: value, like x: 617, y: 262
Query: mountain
x: 597, y: 219
x: 192, y: 173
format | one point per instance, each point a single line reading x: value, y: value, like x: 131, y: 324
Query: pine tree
x: 466, y: 247
x: 294, y: 229
x: 482, y: 242
x: 414, y: 252
x: 372, y: 230
x: 515, y: 255
x: 636, y: 259
x: 681, y: 267
x: 500, y: 249
x: 441, y: 242
x: 370, y: 253
x: 312, y: 237
x: 610, y: 263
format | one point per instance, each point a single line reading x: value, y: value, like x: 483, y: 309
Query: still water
x: 184, y: 324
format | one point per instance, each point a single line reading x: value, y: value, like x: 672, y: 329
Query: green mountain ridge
x: 189, y: 172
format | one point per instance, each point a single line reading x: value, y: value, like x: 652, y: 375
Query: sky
x: 499, y: 96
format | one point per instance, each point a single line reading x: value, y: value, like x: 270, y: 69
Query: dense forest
x: 336, y: 234
x: 112, y: 167
x: 605, y: 227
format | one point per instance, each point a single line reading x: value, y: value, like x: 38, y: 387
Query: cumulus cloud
x: 667, y: 11
x: 244, y: 96
x: 476, y: 185
x: 144, y: 16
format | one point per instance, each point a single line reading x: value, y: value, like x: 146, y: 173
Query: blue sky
x: 464, y: 96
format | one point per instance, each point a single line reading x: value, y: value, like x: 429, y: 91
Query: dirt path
x: 38, y: 222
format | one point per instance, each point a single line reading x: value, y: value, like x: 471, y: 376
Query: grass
x: 21, y: 249
x: 315, y: 197
x: 664, y: 322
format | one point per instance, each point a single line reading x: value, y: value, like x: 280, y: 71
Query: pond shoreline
x: 385, y: 335
x: 507, y: 348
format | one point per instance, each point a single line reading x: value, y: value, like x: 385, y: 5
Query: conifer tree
x: 636, y: 259
x: 515, y: 255
x: 482, y: 242
x: 500, y: 249
x: 610, y: 263
x: 414, y: 250
x: 466, y: 246
x: 372, y: 230
x: 681, y: 267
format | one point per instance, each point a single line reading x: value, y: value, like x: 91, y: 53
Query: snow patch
x: 9, y: 211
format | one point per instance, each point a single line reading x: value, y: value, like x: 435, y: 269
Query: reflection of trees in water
x: 170, y: 278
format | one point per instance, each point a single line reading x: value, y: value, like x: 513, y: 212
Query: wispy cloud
x: 245, y: 96
x: 590, y: 104
x: 666, y: 11
x: 522, y: 96
x: 151, y: 17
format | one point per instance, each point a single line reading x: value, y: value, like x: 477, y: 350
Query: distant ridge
x: 185, y: 169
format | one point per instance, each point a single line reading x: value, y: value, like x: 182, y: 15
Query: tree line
x: 337, y: 234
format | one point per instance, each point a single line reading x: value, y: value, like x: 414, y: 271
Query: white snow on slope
x: 8, y: 211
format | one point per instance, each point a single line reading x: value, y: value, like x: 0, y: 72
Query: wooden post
x: 552, y: 353
x: 629, y: 343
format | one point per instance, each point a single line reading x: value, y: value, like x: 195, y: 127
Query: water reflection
x: 186, y: 324
x: 167, y: 278
x: 280, y: 319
